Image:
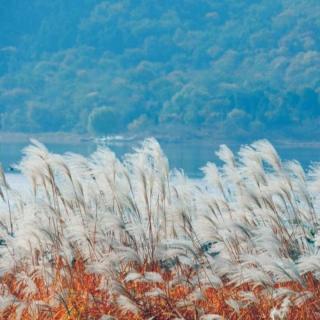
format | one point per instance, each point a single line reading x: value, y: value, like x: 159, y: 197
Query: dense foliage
x: 241, y: 65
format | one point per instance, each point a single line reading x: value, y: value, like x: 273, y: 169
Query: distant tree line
x: 109, y: 66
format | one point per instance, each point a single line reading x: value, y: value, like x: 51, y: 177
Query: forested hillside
x: 111, y: 66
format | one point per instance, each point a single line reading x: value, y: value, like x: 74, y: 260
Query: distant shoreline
x: 74, y: 138
x: 56, y: 137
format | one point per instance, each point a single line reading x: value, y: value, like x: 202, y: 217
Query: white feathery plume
x: 26, y: 284
x: 281, y: 313
x: 156, y: 292
x: 107, y: 317
x: 6, y: 301
x: 127, y: 304
x: 302, y: 297
x: 211, y: 317
x: 226, y: 155
x: 268, y: 153
x: 310, y: 263
x: 248, y: 296
x: 133, y: 276
x: 235, y: 305
x: 153, y: 277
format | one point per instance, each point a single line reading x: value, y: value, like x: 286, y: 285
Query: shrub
x: 104, y: 120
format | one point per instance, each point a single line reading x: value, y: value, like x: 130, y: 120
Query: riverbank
x: 167, y: 135
x: 48, y: 137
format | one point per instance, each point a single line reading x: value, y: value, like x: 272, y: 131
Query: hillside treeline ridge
x: 109, y: 66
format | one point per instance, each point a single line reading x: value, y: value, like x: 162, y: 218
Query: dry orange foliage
x: 76, y: 295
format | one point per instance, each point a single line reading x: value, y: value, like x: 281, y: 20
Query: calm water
x: 187, y: 156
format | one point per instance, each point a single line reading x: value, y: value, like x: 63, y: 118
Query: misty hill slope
x: 109, y: 66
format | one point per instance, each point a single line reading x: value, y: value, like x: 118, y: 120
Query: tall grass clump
x: 101, y: 238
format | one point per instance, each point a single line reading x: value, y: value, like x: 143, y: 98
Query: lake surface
x: 189, y: 156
